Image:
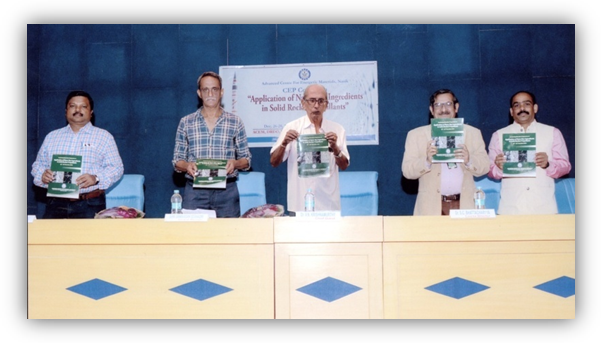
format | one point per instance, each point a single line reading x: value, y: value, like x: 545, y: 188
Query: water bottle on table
x: 309, y: 201
x: 176, y: 202
x: 480, y: 199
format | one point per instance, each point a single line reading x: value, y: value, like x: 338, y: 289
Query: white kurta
x: 326, y: 189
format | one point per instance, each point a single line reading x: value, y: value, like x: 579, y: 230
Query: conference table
x: 372, y: 267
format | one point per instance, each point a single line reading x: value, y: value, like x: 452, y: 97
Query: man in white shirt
x: 326, y: 189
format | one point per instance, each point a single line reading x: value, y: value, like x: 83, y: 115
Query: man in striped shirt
x: 101, y: 162
x: 211, y: 133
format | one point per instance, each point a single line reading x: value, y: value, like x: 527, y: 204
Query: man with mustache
x: 443, y: 186
x: 326, y: 189
x: 529, y: 195
x: 101, y: 162
x: 211, y: 133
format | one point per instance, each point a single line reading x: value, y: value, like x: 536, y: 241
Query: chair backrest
x: 565, y: 195
x: 129, y: 191
x: 251, y: 186
x: 359, y: 193
x: 492, y: 188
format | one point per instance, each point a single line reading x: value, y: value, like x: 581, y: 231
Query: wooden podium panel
x: 301, y: 265
x: 150, y: 262
x: 334, y: 273
x: 514, y: 228
x: 507, y: 257
x: 344, y: 229
x: 350, y: 267
x: 150, y: 231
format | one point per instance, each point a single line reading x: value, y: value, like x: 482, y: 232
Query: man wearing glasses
x: 444, y: 186
x: 211, y: 133
x: 326, y: 189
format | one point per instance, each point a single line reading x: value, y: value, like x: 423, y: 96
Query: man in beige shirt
x: 444, y: 186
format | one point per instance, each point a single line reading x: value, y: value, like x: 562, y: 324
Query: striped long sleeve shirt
x: 97, y: 147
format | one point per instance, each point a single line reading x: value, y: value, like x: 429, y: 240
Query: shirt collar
x: 84, y: 129
x: 306, y: 123
x: 530, y: 128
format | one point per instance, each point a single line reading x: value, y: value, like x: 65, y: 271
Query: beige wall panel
x: 444, y: 228
x: 150, y: 231
x: 265, y: 261
x: 344, y: 229
x: 148, y: 273
x: 298, y: 265
x: 510, y: 269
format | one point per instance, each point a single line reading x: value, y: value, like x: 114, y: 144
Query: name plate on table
x: 186, y: 217
x: 319, y: 215
x: 483, y: 213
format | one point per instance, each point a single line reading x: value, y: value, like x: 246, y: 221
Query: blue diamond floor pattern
x: 201, y: 289
x: 563, y: 286
x: 329, y: 289
x: 457, y: 288
x: 96, y: 289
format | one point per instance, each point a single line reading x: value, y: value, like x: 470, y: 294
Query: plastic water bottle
x: 176, y: 202
x: 309, y: 201
x: 479, y: 198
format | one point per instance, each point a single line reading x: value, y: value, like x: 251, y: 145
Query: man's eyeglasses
x: 214, y: 90
x: 443, y: 104
x: 320, y: 101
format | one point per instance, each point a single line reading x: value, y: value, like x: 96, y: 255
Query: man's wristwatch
x: 97, y: 180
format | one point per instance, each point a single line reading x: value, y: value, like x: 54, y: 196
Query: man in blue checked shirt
x: 211, y: 133
x: 101, y: 162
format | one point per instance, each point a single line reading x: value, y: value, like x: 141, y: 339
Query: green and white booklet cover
x: 313, y: 156
x: 520, y: 152
x: 66, y: 169
x: 447, y: 134
x: 210, y: 173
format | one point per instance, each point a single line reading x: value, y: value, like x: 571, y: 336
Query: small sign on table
x: 318, y: 215
x: 483, y: 213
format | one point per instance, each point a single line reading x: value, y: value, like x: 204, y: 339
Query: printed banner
x: 267, y: 97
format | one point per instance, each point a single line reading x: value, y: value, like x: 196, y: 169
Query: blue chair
x: 359, y: 193
x: 565, y: 195
x: 129, y: 191
x: 251, y: 186
x: 492, y: 188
